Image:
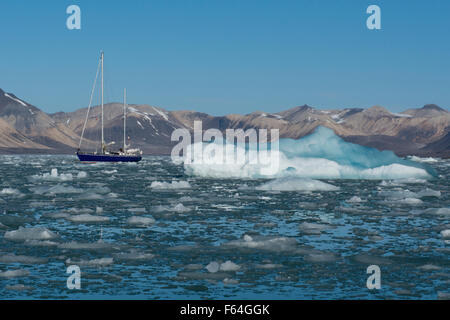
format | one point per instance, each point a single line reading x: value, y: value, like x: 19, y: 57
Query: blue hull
x: 107, y: 158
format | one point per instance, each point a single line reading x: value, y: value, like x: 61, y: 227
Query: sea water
x: 154, y: 230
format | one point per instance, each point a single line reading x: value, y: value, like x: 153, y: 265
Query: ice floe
x: 269, y: 243
x: 137, y: 210
x: 445, y: 234
x: 322, y: 257
x: 81, y: 174
x: 101, y: 262
x: 134, y: 255
x: 32, y: 233
x: 401, y: 182
x: 433, y: 211
x: 14, y: 273
x: 170, y: 185
x: 13, y: 258
x: 11, y: 192
x: 90, y: 246
x: 401, y: 196
x: 179, y: 208
x: 355, y: 199
x: 227, y: 266
x: 228, y: 281
x: 86, y: 217
x: 140, y: 221
x: 411, y: 201
x: 213, y: 267
x: 429, y: 193
x: 296, y: 184
x: 426, y: 160
x: 18, y: 287
x: 110, y: 171
x: 56, y: 189
x: 41, y: 243
x: 268, y: 266
x: 314, y: 228
x: 429, y: 267
x: 54, y: 176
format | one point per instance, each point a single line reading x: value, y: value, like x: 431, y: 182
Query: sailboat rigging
x: 124, y: 154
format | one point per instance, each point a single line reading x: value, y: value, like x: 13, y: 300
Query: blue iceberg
x: 320, y: 155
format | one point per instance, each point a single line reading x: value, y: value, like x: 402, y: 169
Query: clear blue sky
x: 229, y: 56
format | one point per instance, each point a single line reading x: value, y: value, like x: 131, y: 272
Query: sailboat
x: 106, y: 155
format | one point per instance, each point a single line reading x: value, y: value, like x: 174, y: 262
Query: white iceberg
x: 321, y: 155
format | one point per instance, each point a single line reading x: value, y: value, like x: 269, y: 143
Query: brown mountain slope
x: 25, y: 128
x: 30, y: 128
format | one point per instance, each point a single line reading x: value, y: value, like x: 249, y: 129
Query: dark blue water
x: 134, y: 239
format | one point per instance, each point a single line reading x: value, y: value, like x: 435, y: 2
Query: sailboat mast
x: 124, y: 118
x: 103, y: 140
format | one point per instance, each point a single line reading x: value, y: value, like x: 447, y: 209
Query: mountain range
x: 24, y: 128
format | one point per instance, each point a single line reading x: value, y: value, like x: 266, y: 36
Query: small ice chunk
x: 110, y: 171
x: 354, y: 199
x: 102, y: 262
x: 81, y: 175
x: 445, y: 234
x: 268, y: 266
x: 170, y: 185
x: 412, y: 201
x: 228, y: 281
x: 429, y: 193
x: 430, y: 267
x: 313, y: 228
x: 87, y: 218
x: 426, y: 160
x: 269, y: 243
x: 95, y: 246
x: 19, y: 287
x: 137, y: 210
x: 10, y: 191
x: 54, y: 176
x: 143, y: 221
x: 213, y: 267
x: 443, y: 295
x: 321, y: 257
x: 296, y: 184
x: 181, y: 208
x: 438, y: 211
x: 14, y: 273
x: 134, y: 255
x: 56, y: 189
x: 229, y: 266
x: 12, y: 258
x: 41, y: 243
